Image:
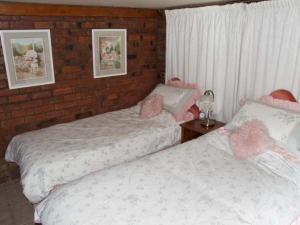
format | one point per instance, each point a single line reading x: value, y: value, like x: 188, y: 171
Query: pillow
x: 250, y: 139
x: 151, y: 106
x: 283, y: 95
x: 195, y: 111
x: 176, y: 82
x: 280, y: 123
x: 176, y: 100
x: 279, y: 103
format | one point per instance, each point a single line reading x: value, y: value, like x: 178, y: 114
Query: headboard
x: 284, y: 95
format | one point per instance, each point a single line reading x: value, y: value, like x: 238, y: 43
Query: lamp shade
x: 207, y: 99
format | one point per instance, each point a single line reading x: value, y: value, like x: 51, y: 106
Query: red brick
x: 22, y: 113
x: 44, y: 94
x: 3, y: 100
x: 65, y: 105
x: 62, y: 91
x: 72, y: 97
x: 112, y: 96
x: 4, y: 25
x: 87, y: 25
x: 35, y: 118
x: 101, y: 25
x: 5, y: 116
x: 30, y: 104
x: 45, y: 108
x: 43, y: 25
x: 21, y: 25
x: 12, y: 122
x: 18, y: 98
x: 29, y: 90
x: 55, y: 114
x: 3, y: 76
x: 6, y: 92
x: 84, y: 40
x: 62, y: 24
x: 71, y: 69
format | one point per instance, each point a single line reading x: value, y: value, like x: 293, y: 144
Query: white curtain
x: 236, y: 50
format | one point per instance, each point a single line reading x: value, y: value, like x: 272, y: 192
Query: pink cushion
x: 279, y: 103
x: 195, y: 111
x: 283, y: 95
x: 151, y: 106
x: 250, y: 139
x: 190, y: 105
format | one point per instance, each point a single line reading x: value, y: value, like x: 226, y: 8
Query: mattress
x: 198, y: 182
x: 65, y: 152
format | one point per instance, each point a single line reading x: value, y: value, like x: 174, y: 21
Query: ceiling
x: 122, y: 3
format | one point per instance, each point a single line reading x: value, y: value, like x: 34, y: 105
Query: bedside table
x: 193, y: 129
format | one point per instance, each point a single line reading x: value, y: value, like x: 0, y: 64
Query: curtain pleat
x: 239, y: 50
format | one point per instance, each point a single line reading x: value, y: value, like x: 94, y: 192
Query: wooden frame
x: 29, y: 9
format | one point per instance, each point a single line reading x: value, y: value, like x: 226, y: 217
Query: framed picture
x: 109, y: 52
x: 28, y: 57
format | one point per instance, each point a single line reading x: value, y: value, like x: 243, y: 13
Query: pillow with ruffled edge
x: 279, y: 103
x: 280, y: 122
x: 194, y: 109
x: 176, y: 100
x: 293, y: 143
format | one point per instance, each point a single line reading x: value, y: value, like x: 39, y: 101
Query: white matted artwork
x: 28, y: 57
x: 109, y: 52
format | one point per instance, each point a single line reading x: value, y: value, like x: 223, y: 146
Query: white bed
x: 65, y: 152
x: 199, y: 182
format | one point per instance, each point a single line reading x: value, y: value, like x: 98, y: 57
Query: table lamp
x: 206, y: 103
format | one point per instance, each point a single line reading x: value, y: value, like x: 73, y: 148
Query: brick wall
x: 76, y: 94
x: 161, y: 43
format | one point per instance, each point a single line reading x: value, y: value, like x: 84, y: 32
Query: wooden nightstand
x: 193, y: 129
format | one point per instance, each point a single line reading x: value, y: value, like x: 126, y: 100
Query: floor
x: 14, y: 208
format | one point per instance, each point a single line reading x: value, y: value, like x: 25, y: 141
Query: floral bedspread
x: 65, y: 152
x: 198, y: 182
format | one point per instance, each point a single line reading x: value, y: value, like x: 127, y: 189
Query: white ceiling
x: 122, y: 3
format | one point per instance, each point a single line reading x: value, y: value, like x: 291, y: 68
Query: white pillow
x: 280, y: 123
x: 175, y: 99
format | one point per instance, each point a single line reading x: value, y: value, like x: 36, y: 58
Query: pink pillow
x: 283, y: 95
x: 250, y: 139
x: 151, y: 106
x: 195, y: 111
x: 279, y: 103
x: 190, y: 106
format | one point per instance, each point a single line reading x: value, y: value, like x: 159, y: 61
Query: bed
x: 198, y: 182
x: 64, y: 152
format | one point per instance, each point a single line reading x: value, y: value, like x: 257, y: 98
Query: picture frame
x: 28, y: 57
x: 109, y: 52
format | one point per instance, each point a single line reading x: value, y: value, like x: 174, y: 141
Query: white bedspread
x: 196, y: 183
x: 65, y: 152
